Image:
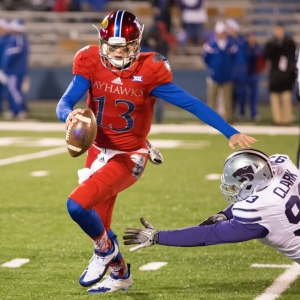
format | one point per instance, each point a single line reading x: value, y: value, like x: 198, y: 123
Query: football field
x: 37, y: 175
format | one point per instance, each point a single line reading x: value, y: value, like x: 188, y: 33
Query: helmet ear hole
x: 248, y: 187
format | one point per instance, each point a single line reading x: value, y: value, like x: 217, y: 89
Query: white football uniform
x: 277, y: 208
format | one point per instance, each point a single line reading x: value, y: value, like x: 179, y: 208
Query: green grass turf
x: 35, y: 224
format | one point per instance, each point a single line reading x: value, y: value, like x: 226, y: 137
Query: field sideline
x: 35, y: 224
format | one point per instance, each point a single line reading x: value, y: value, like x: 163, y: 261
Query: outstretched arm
x: 175, y: 95
x: 223, y: 215
x: 230, y: 231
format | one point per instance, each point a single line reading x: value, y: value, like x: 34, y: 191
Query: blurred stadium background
x: 55, y: 37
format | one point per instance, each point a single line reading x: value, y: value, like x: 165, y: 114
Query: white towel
x: 101, y: 160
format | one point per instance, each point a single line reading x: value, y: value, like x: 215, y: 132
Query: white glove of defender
x: 143, y: 237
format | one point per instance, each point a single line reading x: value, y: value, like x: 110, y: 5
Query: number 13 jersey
x: 121, y: 101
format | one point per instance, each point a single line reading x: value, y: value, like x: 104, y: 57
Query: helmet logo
x: 104, y: 24
x: 244, y: 174
x: 157, y: 57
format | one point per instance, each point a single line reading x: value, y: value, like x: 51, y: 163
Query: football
x: 82, y: 134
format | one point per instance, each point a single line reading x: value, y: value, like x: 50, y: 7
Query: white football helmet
x: 245, y: 172
x: 120, y: 29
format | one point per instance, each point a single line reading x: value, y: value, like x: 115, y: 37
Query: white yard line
x: 31, y: 126
x: 153, y: 266
x: 281, y: 283
x: 270, y: 266
x: 42, y: 154
x: 16, y: 263
x: 159, y: 128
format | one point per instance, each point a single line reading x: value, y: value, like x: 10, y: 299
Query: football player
x: 122, y: 85
x: 264, y: 193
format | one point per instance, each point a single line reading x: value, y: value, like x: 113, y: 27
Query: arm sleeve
x: 220, y: 233
x: 76, y: 90
x: 173, y: 94
x: 228, y: 212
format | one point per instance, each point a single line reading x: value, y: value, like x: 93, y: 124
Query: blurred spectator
x: 15, y: 66
x: 3, y: 78
x: 15, y: 4
x: 280, y: 51
x: 153, y: 41
x: 162, y: 11
x: 61, y: 5
x: 219, y: 54
x: 240, y: 69
x: 42, y: 5
x: 160, y: 39
x: 162, y: 18
x: 88, y: 5
x: 194, y: 17
x: 256, y: 65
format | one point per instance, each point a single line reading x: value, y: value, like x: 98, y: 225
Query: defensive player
x: 122, y: 85
x: 265, y: 193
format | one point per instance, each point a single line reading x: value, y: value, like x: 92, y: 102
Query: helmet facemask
x: 106, y: 49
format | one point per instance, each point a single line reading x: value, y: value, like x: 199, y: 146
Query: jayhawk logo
x: 104, y: 24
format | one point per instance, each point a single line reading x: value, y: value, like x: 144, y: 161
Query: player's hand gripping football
x: 242, y: 140
x: 71, y: 118
x: 143, y: 237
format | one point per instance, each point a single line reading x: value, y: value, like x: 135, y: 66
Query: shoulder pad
x: 159, y: 60
x: 90, y: 51
x: 155, y: 61
x: 86, y: 60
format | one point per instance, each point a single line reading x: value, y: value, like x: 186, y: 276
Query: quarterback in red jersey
x: 121, y: 100
x: 122, y: 85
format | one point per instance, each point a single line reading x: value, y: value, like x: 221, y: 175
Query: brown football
x: 82, y: 134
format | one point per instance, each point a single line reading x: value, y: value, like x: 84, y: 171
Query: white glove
x: 143, y: 237
x: 3, y: 78
x: 154, y: 155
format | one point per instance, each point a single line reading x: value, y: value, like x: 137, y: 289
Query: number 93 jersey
x: 121, y: 100
x: 277, y: 208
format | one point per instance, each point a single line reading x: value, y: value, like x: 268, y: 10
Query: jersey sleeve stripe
x: 243, y: 209
x: 247, y: 220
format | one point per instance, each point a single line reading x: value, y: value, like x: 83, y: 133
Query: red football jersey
x: 121, y: 101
